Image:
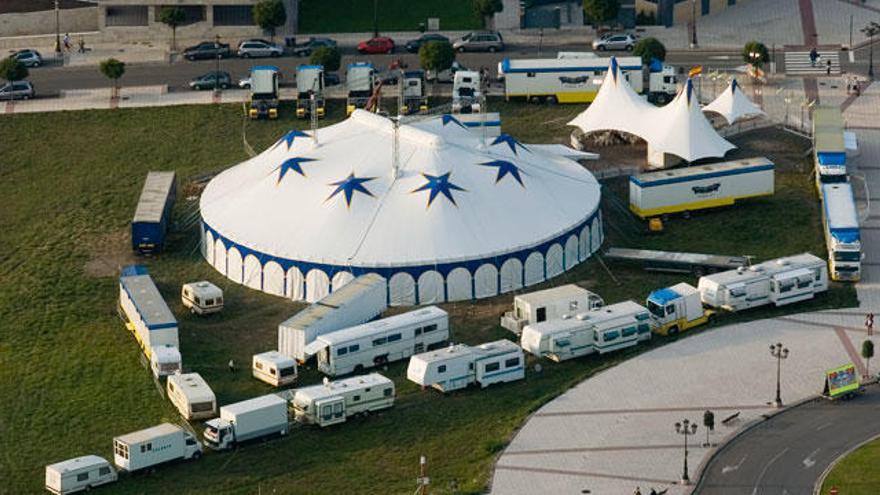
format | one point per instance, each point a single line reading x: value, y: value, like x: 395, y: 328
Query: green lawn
x: 73, y: 377
x: 356, y: 16
x: 857, y: 473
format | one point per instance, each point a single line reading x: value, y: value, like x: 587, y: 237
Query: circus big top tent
x: 456, y: 218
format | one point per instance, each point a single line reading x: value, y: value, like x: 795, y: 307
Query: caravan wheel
x: 551, y: 100
x: 535, y: 99
x: 359, y: 368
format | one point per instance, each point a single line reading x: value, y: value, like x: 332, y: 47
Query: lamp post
x: 694, y: 23
x: 375, y: 18
x: 217, y: 65
x: 57, y: 29
x: 871, y: 30
x: 685, y: 428
x: 780, y: 353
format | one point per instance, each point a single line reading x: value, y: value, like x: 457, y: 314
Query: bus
x: 829, y: 151
x: 840, y: 221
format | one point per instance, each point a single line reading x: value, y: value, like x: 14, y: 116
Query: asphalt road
x: 787, y: 454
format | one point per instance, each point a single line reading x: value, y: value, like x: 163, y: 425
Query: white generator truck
x: 264, y: 92
x: 334, y: 402
x: 360, y: 81
x: 548, y: 304
x: 466, y: 92
x: 601, y: 330
x: 153, y: 446
x: 778, y: 282
x: 149, y: 319
x: 247, y: 420
x: 274, y: 368
x: 676, y: 309
x: 191, y: 395
x: 79, y: 474
x: 415, y: 98
x: 309, y: 85
x: 460, y: 365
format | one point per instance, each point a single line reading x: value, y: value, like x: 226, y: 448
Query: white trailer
x: 274, y: 368
x: 202, y: 298
x: 779, y: 282
x: 165, y: 360
x: 153, y: 446
x: 548, y: 304
x: 79, y: 474
x: 460, y: 365
x: 247, y: 420
x: 382, y: 341
x: 601, y: 330
x: 699, y: 187
x: 334, y: 402
x: 145, y: 313
x: 191, y: 395
x: 356, y: 302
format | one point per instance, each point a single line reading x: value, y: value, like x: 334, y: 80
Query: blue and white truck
x: 153, y: 213
x: 149, y: 319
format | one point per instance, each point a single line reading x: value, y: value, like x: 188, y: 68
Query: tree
x: 270, y: 15
x: 327, y: 56
x: 756, y: 53
x: 487, y: 8
x: 172, y: 17
x: 436, y: 56
x: 12, y: 70
x: 113, y: 69
x: 709, y: 423
x: 599, y: 11
x: 649, y: 48
x: 868, y: 353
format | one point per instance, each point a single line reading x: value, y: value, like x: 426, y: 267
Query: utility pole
x: 57, y: 29
x: 217, y: 71
x: 694, y: 23
x: 423, y: 480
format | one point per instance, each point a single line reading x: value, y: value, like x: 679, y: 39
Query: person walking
x: 66, y: 42
x: 814, y: 56
x: 82, y: 45
x: 828, y: 67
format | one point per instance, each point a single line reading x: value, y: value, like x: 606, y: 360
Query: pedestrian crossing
x: 798, y: 64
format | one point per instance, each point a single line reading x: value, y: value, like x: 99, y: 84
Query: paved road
x: 787, y: 453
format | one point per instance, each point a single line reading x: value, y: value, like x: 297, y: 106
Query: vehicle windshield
x: 655, y: 309
x: 832, y: 179
x: 847, y: 256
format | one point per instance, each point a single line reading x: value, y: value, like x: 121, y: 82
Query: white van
x: 274, y: 368
x: 192, y: 396
x: 78, y: 474
x: 202, y: 298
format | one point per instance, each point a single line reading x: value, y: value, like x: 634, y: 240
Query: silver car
x: 480, y: 41
x: 614, y: 42
x: 30, y: 58
x: 18, y: 90
x: 259, y: 48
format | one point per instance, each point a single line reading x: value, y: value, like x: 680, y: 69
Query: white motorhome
x: 191, y: 395
x: 779, y: 282
x: 147, y: 316
x: 460, y: 365
x: 334, y: 402
x: 548, y: 304
x: 356, y: 302
x: 601, y: 330
x: 274, y: 368
x: 382, y: 341
x: 156, y: 445
x: 79, y: 474
x: 202, y: 298
x: 247, y: 420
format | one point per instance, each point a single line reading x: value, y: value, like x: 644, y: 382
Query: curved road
x: 787, y: 454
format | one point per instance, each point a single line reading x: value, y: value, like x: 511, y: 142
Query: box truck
x: 840, y: 221
x: 460, y: 365
x: 334, y: 402
x: 153, y: 213
x: 153, y: 446
x: 677, y: 308
x: 191, y: 395
x: 548, y: 304
x: 274, y: 368
x: 147, y: 317
x: 360, y: 80
x: 202, y: 298
x: 79, y: 474
x: 247, y: 420
x: 829, y: 147
x: 309, y: 86
x: 263, y: 102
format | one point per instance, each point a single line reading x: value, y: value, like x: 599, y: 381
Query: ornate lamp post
x: 685, y: 428
x: 780, y: 353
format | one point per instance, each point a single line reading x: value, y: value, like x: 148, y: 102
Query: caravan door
x: 330, y: 411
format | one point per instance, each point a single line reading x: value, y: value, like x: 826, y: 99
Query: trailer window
x: 287, y: 371
x: 342, y: 351
x: 512, y: 362
x: 82, y: 476
x: 197, y: 300
x: 202, y: 407
x: 530, y: 74
x: 190, y: 441
x: 394, y: 338
x: 388, y: 392
x: 429, y: 328
x: 356, y: 398
x: 418, y: 331
x: 609, y: 336
x: 150, y: 446
x: 104, y: 471
x: 209, y: 302
x: 629, y: 331
x: 379, y: 341
x: 644, y: 328
x: 354, y: 348
x: 327, y: 412
x: 143, y: 448
x: 171, y: 387
x: 818, y: 274
x: 441, y: 368
x: 492, y: 367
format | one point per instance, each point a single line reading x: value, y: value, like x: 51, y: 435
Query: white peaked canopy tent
x: 457, y: 219
x: 617, y: 107
x: 733, y: 105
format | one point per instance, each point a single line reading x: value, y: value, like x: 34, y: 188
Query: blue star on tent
x: 509, y: 141
x: 294, y: 164
x: 290, y: 136
x: 449, y: 118
x: 505, y: 168
x: 439, y: 184
x: 349, y: 186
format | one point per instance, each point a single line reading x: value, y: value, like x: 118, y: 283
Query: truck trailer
x: 548, y: 304
x: 247, y: 420
x: 309, y: 86
x: 461, y: 365
x: 360, y: 81
x: 264, y: 92
x: 840, y: 221
x: 153, y: 446
x: 334, y: 402
x: 153, y: 213
x: 147, y: 317
x: 829, y: 147
x: 191, y: 395
x: 79, y: 474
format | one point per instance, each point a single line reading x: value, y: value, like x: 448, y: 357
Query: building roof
x: 193, y: 386
x: 148, y: 434
x: 154, y: 195
x: 733, y: 105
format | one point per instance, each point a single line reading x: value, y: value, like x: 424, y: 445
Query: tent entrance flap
x: 314, y: 348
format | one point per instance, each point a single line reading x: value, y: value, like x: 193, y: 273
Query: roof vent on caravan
x: 486, y: 346
x: 756, y: 268
x: 451, y: 348
x: 741, y: 270
x: 783, y: 262
x: 326, y: 382
x: 583, y: 316
x: 566, y: 316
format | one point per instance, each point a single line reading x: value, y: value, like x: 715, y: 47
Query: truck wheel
x: 601, y: 48
x: 662, y: 98
x: 551, y: 100
x: 710, y: 320
x: 359, y: 368
x: 492, y: 49
x: 673, y: 330
x: 535, y: 99
x: 629, y: 48
x: 698, y: 271
x: 461, y: 49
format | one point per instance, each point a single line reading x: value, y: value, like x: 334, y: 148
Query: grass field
x: 73, y: 378
x: 356, y: 16
x: 857, y: 473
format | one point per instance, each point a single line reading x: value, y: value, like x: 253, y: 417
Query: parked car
x: 18, y: 90
x: 444, y: 76
x: 306, y: 49
x: 245, y: 82
x: 207, y: 50
x: 480, y: 41
x: 211, y: 80
x: 331, y: 79
x: 30, y: 58
x: 615, y: 42
x: 380, y: 44
x: 413, y: 46
x: 259, y: 48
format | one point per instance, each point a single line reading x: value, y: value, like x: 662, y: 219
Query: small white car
x: 259, y: 48
x: 615, y: 42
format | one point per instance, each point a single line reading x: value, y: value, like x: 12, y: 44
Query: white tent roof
x: 455, y: 197
x: 616, y: 107
x: 733, y: 105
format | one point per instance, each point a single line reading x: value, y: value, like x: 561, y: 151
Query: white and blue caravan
x: 840, y: 221
x: 460, y: 365
x: 148, y: 318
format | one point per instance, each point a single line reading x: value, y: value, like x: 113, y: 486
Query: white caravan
x: 165, y: 360
x: 356, y: 302
x: 382, y: 341
x: 202, y: 298
x: 460, y: 365
x: 247, y: 420
x: 146, y: 315
x: 548, y: 304
x: 79, y: 474
x: 156, y: 445
x: 274, y: 368
x: 602, y: 330
x: 334, y: 402
x: 191, y: 395
x: 780, y: 281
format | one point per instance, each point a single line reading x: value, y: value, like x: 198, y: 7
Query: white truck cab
x: 466, y: 94
x: 677, y: 308
x: 309, y: 83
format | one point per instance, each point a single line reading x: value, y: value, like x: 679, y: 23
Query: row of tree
x: 268, y: 14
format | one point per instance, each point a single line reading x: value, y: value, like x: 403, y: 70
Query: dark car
x: 413, y: 46
x: 381, y: 44
x: 211, y: 80
x: 306, y: 49
x: 207, y: 50
x: 331, y: 79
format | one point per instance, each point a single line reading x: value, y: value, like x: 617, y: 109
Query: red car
x: 380, y: 44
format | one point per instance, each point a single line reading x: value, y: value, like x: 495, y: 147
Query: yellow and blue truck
x: 676, y: 309
x: 264, y: 92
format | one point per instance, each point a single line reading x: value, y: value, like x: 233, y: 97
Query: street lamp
x: 57, y: 29
x: 685, y: 428
x: 871, y: 30
x: 694, y: 23
x: 217, y: 69
x: 780, y: 353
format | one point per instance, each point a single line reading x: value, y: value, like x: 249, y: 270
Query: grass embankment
x: 857, y: 473
x: 73, y: 378
x: 356, y: 16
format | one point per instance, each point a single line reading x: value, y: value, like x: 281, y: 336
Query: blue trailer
x: 153, y: 212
